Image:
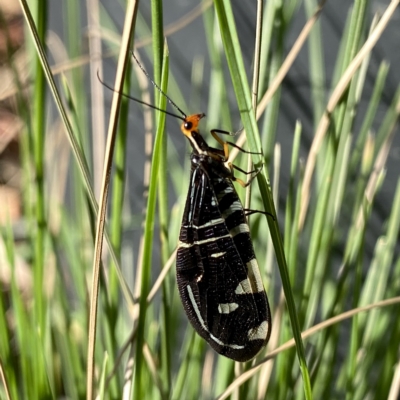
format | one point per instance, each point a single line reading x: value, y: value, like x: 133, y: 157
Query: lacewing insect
x: 216, y: 269
x: 217, y: 273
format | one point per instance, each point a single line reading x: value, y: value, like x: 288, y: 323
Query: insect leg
x: 242, y: 183
x: 248, y: 212
x: 224, y: 143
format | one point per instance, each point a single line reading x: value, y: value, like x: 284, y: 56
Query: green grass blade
x: 121, y: 71
x: 139, y: 387
x: 242, y: 91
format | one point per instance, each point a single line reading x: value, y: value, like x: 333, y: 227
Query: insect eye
x: 188, y: 126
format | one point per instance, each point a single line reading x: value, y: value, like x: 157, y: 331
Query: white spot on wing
x: 227, y: 308
x: 243, y: 287
x: 217, y: 255
x: 259, y: 332
x: 253, y: 283
x: 254, y: 276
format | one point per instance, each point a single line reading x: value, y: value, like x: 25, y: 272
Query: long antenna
x: 158, y: 87
x: 138, y: 100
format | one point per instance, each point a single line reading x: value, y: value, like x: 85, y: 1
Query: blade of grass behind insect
x: 267, y: 34
x: 110, y: 298
x: 157, y: 27
x: 356, y: 86
x: 78, y: 223
x: 5, y: 382
x: 390, y: 118
x: 370, y: 114
x: 16, y: 370
x: 361, y: 207
x: 74, y: 226
x: 328, y: 225
x: 391, y: 383
x: 139, y: 388
x: 97, y: 95
x: 111, y: 330
x: 380, y: 270
x: 263, y: 382
x: 352, y: 45
x: 271, y: 115
x: 254, y: 99
x: 114, y: 317
x: 293, y: 255
x: 283, y: 16
x: 224, y: 369
x: 318, y: 223
x: 276, y: 18
x: 6, y: 359
x: 39, y: 325
x: 165, y: 327
x: 121, y: 70
x: 291, y: 211
x: 102, y: 388
x: 161, y: 65
x: 70, y: 356
x: 257, y: 59
x: 288, y: 62
x: 238, y: 75
x: 77, y: 99
x: 380, y: 324
x: 116, y: 214
x: 217, y: 101
x: 39, y: 128
x: 28, y: 387
x: 30, y: 360
x: 191, y: 356
x: 317, y: 65
x: 273, y: 36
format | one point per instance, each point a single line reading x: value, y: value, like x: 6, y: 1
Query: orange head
x: 191, y: 124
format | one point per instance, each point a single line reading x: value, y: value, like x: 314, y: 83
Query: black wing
x: 217, y: 273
